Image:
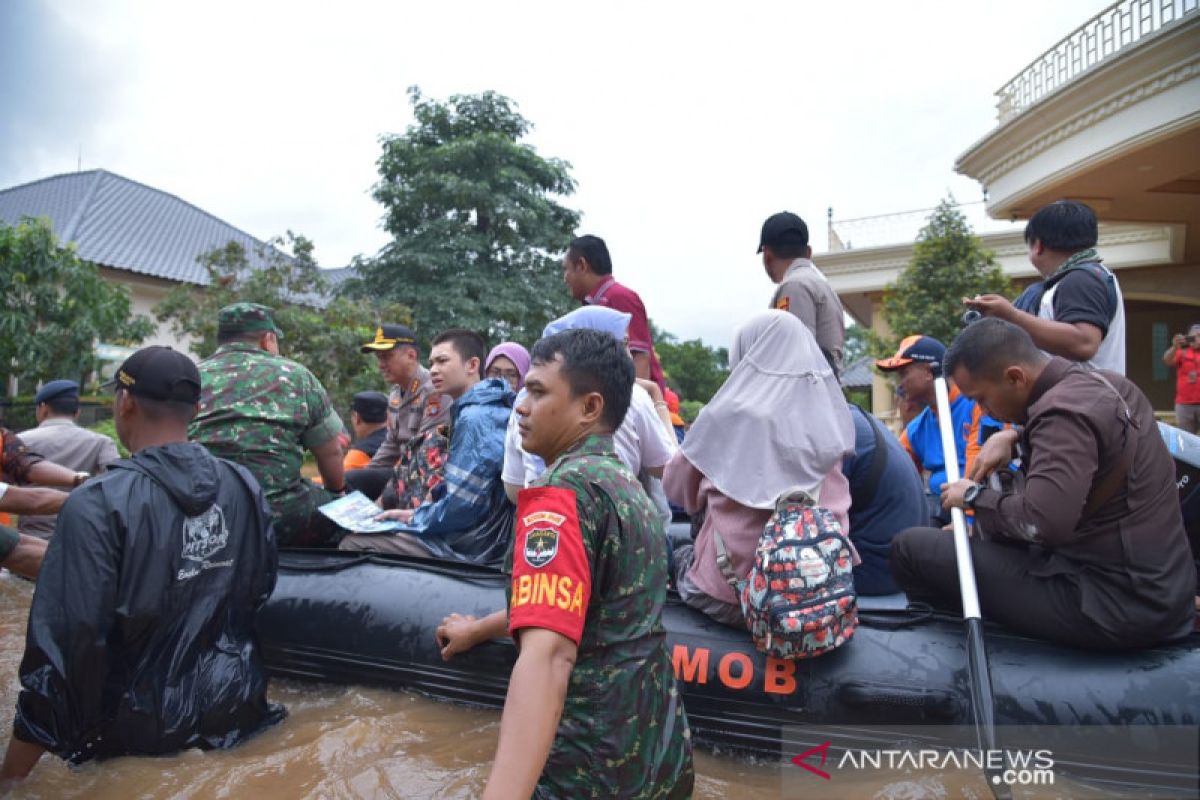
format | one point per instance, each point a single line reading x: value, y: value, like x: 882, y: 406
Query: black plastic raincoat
x: 141, y: 636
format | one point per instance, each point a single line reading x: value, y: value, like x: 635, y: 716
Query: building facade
x: 1109, y: 116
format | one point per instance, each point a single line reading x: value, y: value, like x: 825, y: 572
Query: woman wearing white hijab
x: 643, y: 442
x: 779, y: 422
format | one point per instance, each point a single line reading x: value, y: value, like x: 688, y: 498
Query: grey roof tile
x: 858, y: 374
x: 126, y: 225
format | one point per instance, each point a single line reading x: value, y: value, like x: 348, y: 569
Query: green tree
x: 949, y: 263
x: 56, y: 308
x: 476, y: 226
x: 322, y: 334
x: 856, y: 344
x: 692, y: 367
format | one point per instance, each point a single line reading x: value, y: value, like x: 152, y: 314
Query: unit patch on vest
x: 784, y: 303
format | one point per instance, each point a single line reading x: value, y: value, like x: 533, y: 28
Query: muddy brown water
x: 355, y: 742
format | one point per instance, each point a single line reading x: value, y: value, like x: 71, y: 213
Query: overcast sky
x: 686, y: 123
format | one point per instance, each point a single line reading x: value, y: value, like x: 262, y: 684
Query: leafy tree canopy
x: 56, y: 308
x: 477, y: 229
x: 692, y: 367
x: 323, y: 335
x: 948, y: 264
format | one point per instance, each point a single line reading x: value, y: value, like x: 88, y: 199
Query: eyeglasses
x: 510, y: 375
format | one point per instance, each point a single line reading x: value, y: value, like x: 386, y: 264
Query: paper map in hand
x: 355, y: 512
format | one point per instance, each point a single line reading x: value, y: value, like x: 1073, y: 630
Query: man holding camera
x: 1184, y: 356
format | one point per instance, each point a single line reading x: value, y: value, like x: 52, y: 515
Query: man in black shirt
x: 368, y: 420
x: 1077, y: 311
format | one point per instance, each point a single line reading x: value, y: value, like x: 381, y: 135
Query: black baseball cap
x: 784, y: 228
x: 159, y: 373
x: 388, y: 337
x: 371, y: 406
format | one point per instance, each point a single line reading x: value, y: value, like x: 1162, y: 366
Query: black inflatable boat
x: 355, y: 618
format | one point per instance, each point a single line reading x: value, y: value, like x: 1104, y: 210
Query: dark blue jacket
x: 463, y: 522
x: 898, y: 501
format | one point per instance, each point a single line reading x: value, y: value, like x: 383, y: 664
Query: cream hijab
x: 779, y: 422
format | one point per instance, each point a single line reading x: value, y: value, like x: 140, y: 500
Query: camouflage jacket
x: 15, y: 458
x: 262, y: 411
x: 623, y: 731
x: 412, y: 409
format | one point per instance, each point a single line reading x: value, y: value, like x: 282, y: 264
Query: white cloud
x: 686, y: 124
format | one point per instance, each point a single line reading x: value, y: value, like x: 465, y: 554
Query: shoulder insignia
x: 433, y: 407
x: 544, y: 516
x: 416, y: 386
x: 784, y: 303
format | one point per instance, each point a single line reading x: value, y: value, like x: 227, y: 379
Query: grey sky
x: 686, y: 123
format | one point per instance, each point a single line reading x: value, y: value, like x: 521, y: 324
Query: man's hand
x: 1178, y: 341
x: 991, y: 305
x: 952, y: 493
x: 457, y: 634
x: 995, y: 453
x: 405, y: 515
x: 30, y: 500
x: 26, y: 558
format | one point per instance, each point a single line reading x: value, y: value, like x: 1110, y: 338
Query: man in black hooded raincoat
x: 141, y: 637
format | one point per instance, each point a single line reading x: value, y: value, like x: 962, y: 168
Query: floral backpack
x: 798, y: 599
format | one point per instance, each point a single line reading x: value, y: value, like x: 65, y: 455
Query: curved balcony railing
x: 1116, y: 28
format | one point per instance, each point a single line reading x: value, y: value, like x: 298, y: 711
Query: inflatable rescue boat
x: 370, y: 619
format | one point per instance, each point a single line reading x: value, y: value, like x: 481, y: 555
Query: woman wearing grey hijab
x: 778, y: 423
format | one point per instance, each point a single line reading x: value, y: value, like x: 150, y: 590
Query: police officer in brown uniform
x: 802, y: 290
x: 413, y: 405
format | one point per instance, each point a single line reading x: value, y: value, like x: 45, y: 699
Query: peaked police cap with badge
x: 388, y: 337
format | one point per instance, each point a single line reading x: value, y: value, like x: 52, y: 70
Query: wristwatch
x: 80, y: 478
x: 971, y: 495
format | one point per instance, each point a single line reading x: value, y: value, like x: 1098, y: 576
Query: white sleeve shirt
x: 641, y: 441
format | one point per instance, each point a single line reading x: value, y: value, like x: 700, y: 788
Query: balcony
x: 1122, y: 25
x: 1110, y: 115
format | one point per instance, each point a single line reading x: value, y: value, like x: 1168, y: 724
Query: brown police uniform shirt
x: 412, y: 409
x: 806, y: 293
x: 1130, y: 556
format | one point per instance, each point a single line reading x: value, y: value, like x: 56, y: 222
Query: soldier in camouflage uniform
x: 414, y: 408
x: 263, y: 411
x: 589, y: 579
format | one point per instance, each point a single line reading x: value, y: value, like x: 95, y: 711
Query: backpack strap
x: 1100, y: 273
x: 725, y: 564
x: 723, y: 561
x: 878, y: 462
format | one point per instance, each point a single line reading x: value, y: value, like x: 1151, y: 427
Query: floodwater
x: 351, y: 742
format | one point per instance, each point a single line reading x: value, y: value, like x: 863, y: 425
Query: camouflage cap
x: 246, y: 318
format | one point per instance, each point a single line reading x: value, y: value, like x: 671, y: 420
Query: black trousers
x: 368, y: 480
x: 923, y: 563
